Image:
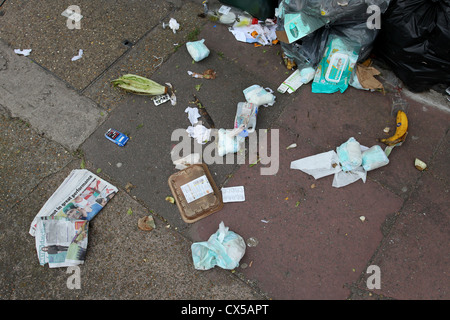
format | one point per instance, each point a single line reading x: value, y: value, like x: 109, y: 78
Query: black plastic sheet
x: 415, y: 41
x: 260, y: 9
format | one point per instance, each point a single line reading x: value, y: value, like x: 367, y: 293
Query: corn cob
x: 139, y: 85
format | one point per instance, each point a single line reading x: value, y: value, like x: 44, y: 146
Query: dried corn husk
x: 139, y: 85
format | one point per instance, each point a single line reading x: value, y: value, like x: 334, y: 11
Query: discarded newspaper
x: 61, y: 226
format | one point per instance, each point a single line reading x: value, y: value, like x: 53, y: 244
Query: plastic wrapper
x: 415, y: 41
x: 197, y: 50
x: 336, y: 67
x: 229, y: 142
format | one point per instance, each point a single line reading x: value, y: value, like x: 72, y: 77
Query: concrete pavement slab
x: 328, y: 120
x: 147, y: 54
x: 104, y: 28
x: 123, y: 262
x: 46, y: 103
x: 413, y: 257
x: 25, y: 159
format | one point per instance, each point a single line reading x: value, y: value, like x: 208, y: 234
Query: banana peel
x: 400, y: 132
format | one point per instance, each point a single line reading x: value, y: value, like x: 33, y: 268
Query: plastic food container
x: 195, y: 193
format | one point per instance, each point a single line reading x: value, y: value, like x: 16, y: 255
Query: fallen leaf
x: 128, y: 187
x: 146, y: 223
x: 129, y: 212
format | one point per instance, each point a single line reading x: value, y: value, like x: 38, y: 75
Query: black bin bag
x: 344, y: 19
x: 260, y: 9
x: 414, y: 40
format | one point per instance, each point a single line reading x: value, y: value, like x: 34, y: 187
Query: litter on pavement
x: 198, y: 50
x: 224, y: 249
x: 24, y: 52
x: 61, y: 226
x: 195, y: 192
x: 233, y: 194
x: 349, y: 163
x: 78, y: 56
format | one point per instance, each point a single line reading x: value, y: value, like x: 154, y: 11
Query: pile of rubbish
x: 336, y: 36
x: 330, y: 37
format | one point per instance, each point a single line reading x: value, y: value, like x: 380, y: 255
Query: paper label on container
x: 196, y: 189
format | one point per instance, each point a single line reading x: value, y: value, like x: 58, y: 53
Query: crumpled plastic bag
x: 414, y: 41
x: 223, y: 249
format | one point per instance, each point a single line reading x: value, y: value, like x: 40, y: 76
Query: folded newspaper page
x: 60, y: 227
x: 61, y: 241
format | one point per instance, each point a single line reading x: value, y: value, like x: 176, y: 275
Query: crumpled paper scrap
x: 80, y: 54
x: 193, y: 114
x: 24, y: 52
x: 200, y: 133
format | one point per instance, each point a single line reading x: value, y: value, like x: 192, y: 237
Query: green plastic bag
x: 336, y: 67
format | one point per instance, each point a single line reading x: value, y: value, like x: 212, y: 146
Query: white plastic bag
x: 224, y: 249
